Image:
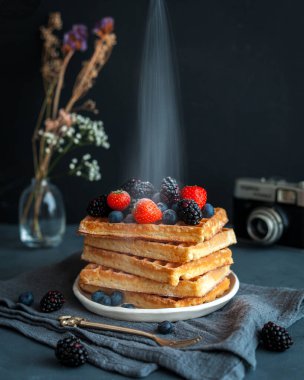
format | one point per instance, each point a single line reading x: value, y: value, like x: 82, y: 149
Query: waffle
x: 99, y: 275
x: 179, y: 232
x: 177, y: 253
x: 157, y: 270
x: 152, y: 301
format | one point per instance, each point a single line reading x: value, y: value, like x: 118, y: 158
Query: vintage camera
x: 269, y: 211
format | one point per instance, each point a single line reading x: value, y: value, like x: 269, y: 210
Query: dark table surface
x: 22, y: 358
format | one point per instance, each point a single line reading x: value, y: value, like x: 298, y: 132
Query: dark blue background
x: 241, y: 66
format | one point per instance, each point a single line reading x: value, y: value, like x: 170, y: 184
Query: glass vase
x: 41, y: 215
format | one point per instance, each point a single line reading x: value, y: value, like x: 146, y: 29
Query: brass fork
x: 67, y: 320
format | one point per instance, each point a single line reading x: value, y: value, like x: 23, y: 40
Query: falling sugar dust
x: 159, y: 148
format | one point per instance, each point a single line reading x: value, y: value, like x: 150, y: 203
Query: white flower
x: 91, y: 131
x: 86, y: 168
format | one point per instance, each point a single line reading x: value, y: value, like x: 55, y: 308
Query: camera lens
x: 265, y: 225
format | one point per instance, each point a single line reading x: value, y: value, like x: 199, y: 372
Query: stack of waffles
x: 157, y: 265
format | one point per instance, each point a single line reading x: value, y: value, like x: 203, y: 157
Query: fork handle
x: 127, y: 330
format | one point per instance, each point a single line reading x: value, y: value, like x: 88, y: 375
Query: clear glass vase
x: 41, y: 215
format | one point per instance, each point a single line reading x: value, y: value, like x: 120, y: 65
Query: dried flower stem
x: 84, y: 80
x: 62, y: 71
x: 34, y: 137
x: 38, y: 123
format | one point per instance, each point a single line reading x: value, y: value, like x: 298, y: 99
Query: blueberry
x: 165, y: 327
x: 162, y: 206
x: 129, y: 219
x: 106, y: 300
x: 169, y: 217
x: 97, y: 296
x: 117, y: 298
x: 115, y: 217
x: 156, y: 198
x: 128, y: 306
x: 174, y: 207
x: 208, y: 210
x: 26, y: 298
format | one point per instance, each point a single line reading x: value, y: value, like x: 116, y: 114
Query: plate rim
x: 79, y: 294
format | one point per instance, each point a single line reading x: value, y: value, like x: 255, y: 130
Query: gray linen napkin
x: 226, y: 352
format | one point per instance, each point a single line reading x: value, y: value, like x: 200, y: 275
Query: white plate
x: 158, y: 315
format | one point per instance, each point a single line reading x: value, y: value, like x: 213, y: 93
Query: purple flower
x: 104, y: 26
x: 75, y: 39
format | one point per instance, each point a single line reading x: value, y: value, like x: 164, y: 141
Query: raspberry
x: 52, y: 301
x: 169, y: 191
x: 98, y: 207
x: 146, y: 211
x: 71, y: 352
x: 118, y: 200
x: 189, y: 211
x: 196, y: 193
x: 275, y: 338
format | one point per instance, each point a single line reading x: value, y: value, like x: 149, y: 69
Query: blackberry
x: 98, y: 207
x: 71, y: 352
x: 189, y: 211
x: 169, y: 191
x: 143, y: 190
x: 52, y: 301
x: 138, y: 189
x: 275, y: 338
x: 130, y: 185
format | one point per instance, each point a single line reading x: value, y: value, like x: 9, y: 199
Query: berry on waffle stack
x: 154, y: 249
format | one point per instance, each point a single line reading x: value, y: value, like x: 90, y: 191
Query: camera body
x: 269, y: 211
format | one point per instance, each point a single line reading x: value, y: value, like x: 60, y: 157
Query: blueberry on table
x: 165, y: 327
x: 116, y: 298
x: 208, y: 210
x: 115, y: 217
x: 26, y: 298
x: 97, y: 296
x: 128, y: 306
x: 169, y: 217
